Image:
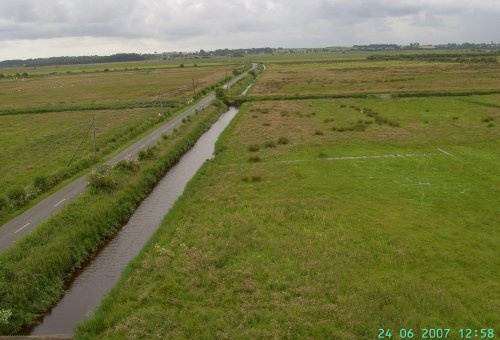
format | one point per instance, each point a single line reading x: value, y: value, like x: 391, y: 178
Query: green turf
x: 260, y: 247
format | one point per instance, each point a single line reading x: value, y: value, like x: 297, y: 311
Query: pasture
x: 326, y: 219
x: 43, y: 119
x: 375, y: 77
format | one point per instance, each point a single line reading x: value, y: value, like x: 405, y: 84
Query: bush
x: 41, y: 183
x: 17, y: 196
x: 101, y: 181
x: 269, y: 144
x: 283, y: 140
x: 4, y: 202
x: 182, y: 66
x: 319, y: 133
x: 253, y: 148
x: 148, y: 153
x: 256, y: 179
x: 127, y: 165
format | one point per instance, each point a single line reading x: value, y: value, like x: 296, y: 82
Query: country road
x: 31, y: 218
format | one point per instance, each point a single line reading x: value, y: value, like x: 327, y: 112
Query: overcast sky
x: 35, y: 28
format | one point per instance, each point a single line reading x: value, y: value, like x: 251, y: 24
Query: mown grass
x: 322, y: 248
x: 33, y: 271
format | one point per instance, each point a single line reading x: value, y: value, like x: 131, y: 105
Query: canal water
x: 95, y: 280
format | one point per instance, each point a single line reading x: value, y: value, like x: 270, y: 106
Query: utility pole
x: 93, y: 124
x: 161, y: 100
x: 194, y: 87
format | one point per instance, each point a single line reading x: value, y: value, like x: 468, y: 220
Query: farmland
x: 330, y: 218
x: 107, y: 87
x: 125, y: 104
x: 375, y: 77
x: 327, y: 212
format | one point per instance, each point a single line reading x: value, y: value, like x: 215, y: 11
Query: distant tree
x: 2, y: 75
x: 25, y: 74
x: 181, y: 66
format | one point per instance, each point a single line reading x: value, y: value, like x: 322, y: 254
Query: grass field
x: 36, y: 144
x: 374, y: 77
x: 36, y: 147
x: 326, y: 219
x: 108, y: 87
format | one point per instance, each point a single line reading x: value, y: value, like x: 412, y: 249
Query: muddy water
x: 97, y: 278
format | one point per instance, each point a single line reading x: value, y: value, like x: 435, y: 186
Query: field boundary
x: 380, y: 95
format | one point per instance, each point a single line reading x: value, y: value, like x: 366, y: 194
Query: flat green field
x: 107, y: 87
x: 36, y: 147
x: 39, y: 144
x: 326, y: 219
x: 374, y: 77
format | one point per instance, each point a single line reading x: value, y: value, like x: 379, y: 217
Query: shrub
x: 4, y: 202
x: 253, y: 148
x: 319, y: 133
x: 101, y: 181
x: 490, y: 125
x: 266, y: 124
x: 17, y: 196
x: 182, y: 66
x: 322, y: 155
x: 283, y: 140
x: 269, y: 144
x: 164, y: 136
x: 487, y: 119
x: 256, y: 178
x: 127, y: 165
x: 41, y: 183
x: 148, y: 153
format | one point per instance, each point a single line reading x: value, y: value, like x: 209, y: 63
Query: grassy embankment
x: 33, y: 271
x: 321, y: 246
x: 35, y: 160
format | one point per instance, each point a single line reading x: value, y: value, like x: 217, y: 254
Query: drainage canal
x: 95, y: 279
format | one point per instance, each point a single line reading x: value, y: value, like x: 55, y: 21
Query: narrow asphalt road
x: 31, y: 218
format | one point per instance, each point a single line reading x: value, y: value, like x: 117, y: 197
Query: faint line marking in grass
x: 444, y: 152
x: 361, y: 157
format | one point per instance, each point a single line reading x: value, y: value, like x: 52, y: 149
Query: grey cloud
x: 220, y: 23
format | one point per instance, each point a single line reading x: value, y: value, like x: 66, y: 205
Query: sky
x: 34, y: 28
